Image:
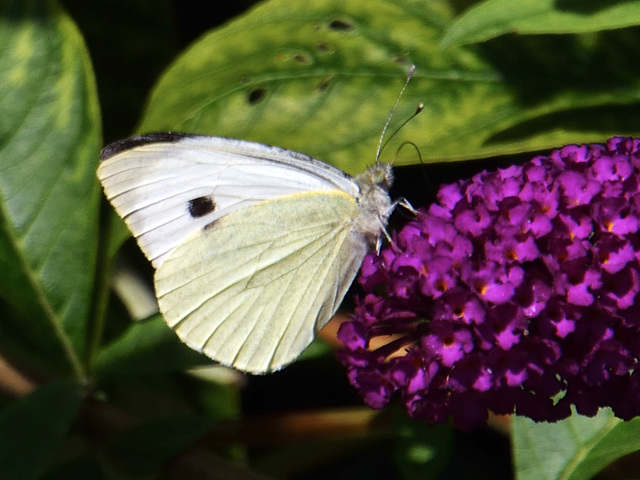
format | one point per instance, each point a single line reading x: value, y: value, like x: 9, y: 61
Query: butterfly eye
x: 382, y: 175
x: 201, y: 206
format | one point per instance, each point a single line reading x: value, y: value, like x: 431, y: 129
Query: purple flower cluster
x: 516, y: 292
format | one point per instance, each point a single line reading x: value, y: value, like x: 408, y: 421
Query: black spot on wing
x: 201, y: 206
x: 132, y: 142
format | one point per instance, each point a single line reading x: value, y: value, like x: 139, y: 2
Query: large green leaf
x: 148, y: 346
x: 34, y: 429
x: 320, y: 77
x: 49, y: 141
x: 574, y: 449
x: 497, y: 17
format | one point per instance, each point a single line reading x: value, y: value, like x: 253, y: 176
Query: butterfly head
x: 380, y: 175
x: 374, y: 202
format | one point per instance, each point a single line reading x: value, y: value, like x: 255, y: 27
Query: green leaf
x: 49, y: 142
x: 148, y: 346
x: 422, y: 451
x: 146, y: 448
x: 492, y: 18
x: 287, y: 70
x: 217, y: 393
x: 34, y: 429
x: 574, y: 449
x: 321, y: 76
x: 317, y: 349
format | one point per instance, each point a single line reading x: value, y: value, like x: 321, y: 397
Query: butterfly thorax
x: 375, y: 204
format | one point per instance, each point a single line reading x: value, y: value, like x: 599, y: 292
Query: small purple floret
x: 516, y: 293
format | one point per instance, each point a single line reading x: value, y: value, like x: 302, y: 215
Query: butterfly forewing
x: 155, y: 185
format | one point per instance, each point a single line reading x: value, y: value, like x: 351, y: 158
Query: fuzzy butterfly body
x: 254, y: 246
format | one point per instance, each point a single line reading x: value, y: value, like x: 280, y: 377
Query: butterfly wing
x: 252, y: 291
x: 169, y: 186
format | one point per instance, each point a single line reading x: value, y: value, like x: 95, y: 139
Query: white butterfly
x: 254, y: 246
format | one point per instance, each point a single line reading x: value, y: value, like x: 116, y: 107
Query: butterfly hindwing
x: 255, y: 301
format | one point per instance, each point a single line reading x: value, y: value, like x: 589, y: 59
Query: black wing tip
x: 138, y: 140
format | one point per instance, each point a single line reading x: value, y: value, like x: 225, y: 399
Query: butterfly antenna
x: 390, y: 137
x: 393, y: 110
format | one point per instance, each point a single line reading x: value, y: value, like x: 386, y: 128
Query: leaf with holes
x: 321, y: 76
x: 49, y: 141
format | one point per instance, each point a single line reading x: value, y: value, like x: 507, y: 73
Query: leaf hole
x: 340, y: 25
x: 302, y: 58
x: 256, y: 95
x: 323, y: 85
